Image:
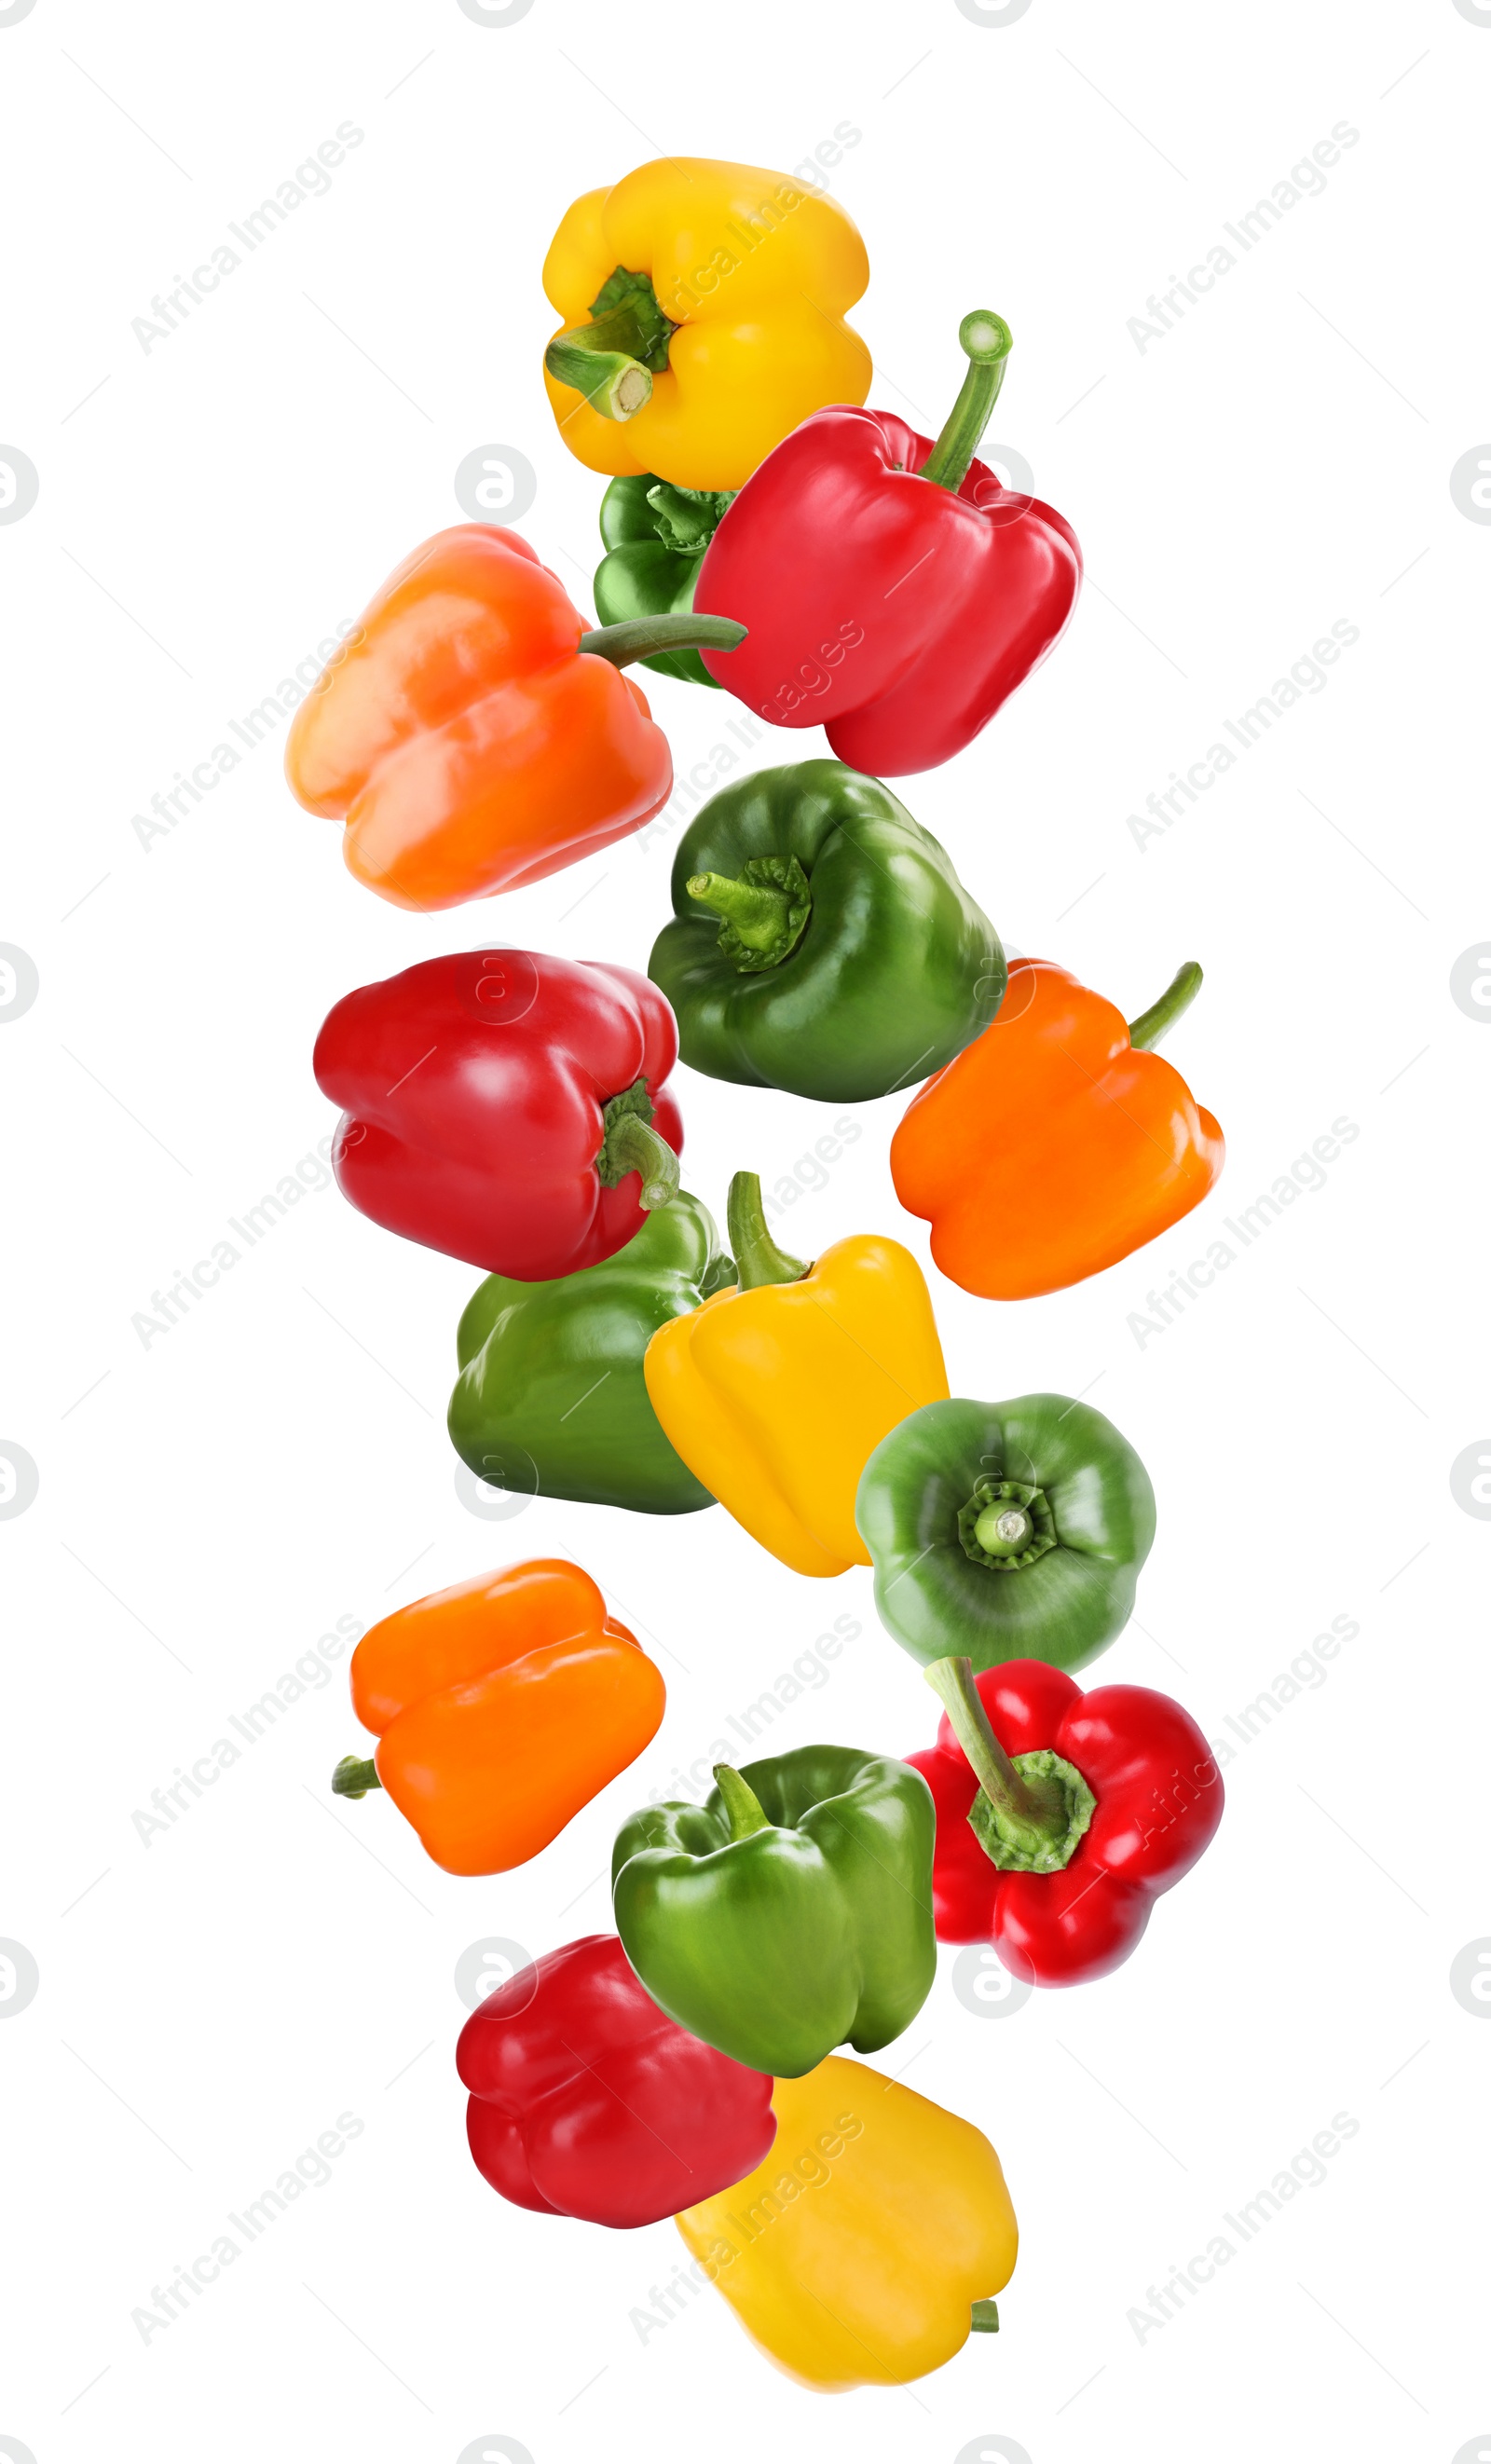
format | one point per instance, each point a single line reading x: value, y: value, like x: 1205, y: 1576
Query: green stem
x: 687, y: 518
x: 741, y: 1803
x: 641, y: 635
x: 985, y: 2321
x: 1033, y: 1809
x: 633, y: 1145
x: 1145, y: 1032
x: 987, y: 342
x: 353, y: 1778
x: 612, y: 360
x: 755, y: 911
x: 757, y: 1258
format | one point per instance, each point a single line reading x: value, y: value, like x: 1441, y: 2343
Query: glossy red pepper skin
x: 473, y: 1090
x: 883, y: 607
x: 586, y: 2101
x: 1159, y: 1800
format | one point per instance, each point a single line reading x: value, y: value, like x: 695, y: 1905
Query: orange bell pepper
x: 501, y: 1707
x: 1057, y: 1142
x: 472, y: 735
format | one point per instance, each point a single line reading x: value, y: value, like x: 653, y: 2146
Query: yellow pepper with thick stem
x: 868, y: 2242
x: 777, y: 1393
x: 703, y: 306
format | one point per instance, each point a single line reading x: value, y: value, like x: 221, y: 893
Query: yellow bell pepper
x: 777, y: 1391
x: 703, y: 307
x: 868, y: 2241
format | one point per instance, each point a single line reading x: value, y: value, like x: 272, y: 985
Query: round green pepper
x: 823, y: 942
x: 656, y: 536
x: 1005, y: 1530
x: 551, y: 1399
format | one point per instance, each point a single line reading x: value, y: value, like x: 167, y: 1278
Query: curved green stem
x: 641, y: 635
x: 764, y: 912
x: 613, y: 359
x: 353, y: 1777
x: 741, y: 1803
x: 754, y: 910
x: 757, y: 1258
x: 1030, y: 1814
x: 985, y: 2321
x: 988, y: 343
x: 1144, y: 1031
x: 633, y: 1145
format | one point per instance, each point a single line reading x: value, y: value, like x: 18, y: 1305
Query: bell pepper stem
x: 641, y: 636
x: 686, y: 519
x: 353, y: 1777
x: 757, y: 1258
x: 741, y: 1803
x: 611, y: 361
x: 1034, y: 1809
x: 985, y: 2321
x: 987, y: 342
x: 1144, y: 1031
x: 633, y: 1145
x: 758, y: 913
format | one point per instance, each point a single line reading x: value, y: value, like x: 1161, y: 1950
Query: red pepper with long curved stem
x: 505, y: 1107
x: 893, y: 591
x: 1061, y: 1817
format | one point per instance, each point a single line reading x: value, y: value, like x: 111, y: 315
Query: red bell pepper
x: 505, y: 1107
x: 893, y: 591
x: 586, y: 2101
x: 1062, y: 1815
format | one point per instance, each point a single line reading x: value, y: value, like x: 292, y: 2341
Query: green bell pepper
x: 821, y: 941
x: 1005, y: 1530
x: 656, y: 536
x: 551, y: 1399
x: 791, y: 1912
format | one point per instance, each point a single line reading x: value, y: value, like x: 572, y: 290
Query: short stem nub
x: 757, y: 1258
x: 740, y: 1802
x: 353, y: 1777
x: 1145, y: 1032
x: 641, y: 637
x: 987, y: 340
x: 985, y: 2321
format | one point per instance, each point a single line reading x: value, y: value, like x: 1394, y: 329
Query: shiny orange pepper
x: 501, y: 1707
x: 1057, y: 1142
x: 472, y: 735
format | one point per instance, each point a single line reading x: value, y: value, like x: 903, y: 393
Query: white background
x: 208, y: 1506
